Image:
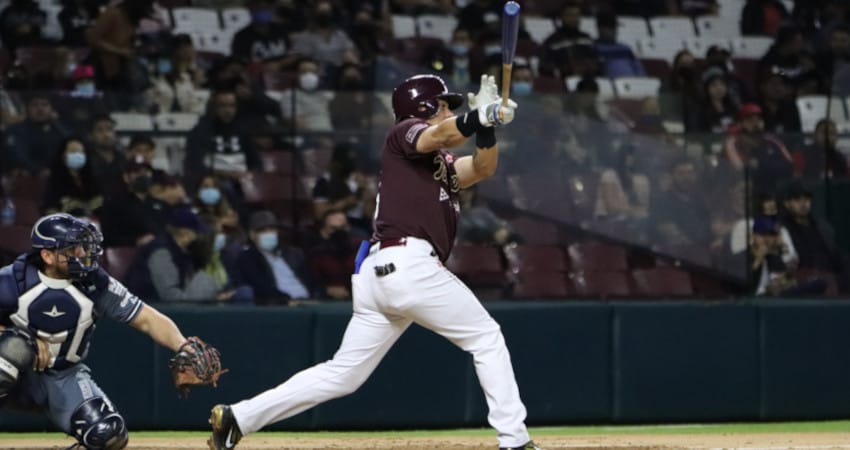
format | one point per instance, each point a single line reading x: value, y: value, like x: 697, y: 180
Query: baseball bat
x: 510, y: 28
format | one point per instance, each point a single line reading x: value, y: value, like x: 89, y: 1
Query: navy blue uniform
x: 63, y: 313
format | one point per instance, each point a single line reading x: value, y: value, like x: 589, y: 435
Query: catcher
x: 50, y: 299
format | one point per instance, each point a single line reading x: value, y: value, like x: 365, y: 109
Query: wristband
x: 468, y: 124
x: 485, y: 138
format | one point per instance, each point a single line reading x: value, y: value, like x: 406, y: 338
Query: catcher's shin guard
x: 17, y: 352
x: 225, y: 430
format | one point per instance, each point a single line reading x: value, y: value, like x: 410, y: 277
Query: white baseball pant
x: 420, y: 290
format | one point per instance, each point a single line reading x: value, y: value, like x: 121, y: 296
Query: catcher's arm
x: 159, y: 327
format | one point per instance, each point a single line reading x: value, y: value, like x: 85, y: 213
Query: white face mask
x: 308, y: 81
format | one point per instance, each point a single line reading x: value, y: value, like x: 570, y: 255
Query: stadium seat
x: 436, y: 26
x: 662, y: 282
x: 535, y: 231
x: 539, y: 28
x: 545, y: 197
x: 175, y: 121
x: 27, y: 211
x: 699, y: 45
x: 606, y: 88
x: 316, y: 161
x: 403, y: 26
x: 717, y: 26
x: 132, y: 121
x: 535, y: 285
x: 661, y: 48
x: 52, y: 29
x: 536, y: 258
x: 750, y: 47
x: 669, y: 27
x: 637, y: 87
x: 14, y: 240
x: 730, y: 9
x: 235, y: 18
x: 543, y: 84
x: 277, y: 161
x: 656, y: 68
x: 479, y: 266
x: 630, y: 28
x: 813, y: 108
x: 265, y: 187
x: 588, y: 25
x: 593, y: 256
x: 217, y: 42
x: 117, y: 260
x: 25, y: 185
x: 190, y: 19
x: 601, y: 283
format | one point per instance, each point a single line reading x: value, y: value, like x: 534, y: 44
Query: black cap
x: 797, y: 190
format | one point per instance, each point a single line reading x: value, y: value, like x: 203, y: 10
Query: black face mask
x: 340, y: 241
x: 141, y: 184
x: 323, y: 20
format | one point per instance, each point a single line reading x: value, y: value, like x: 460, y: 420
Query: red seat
x: 279, y: 81
x: 278, y: 161
x: 282, y: 194
x: 582, y: 192
x: 597, y: 256
x: 478, y: 265
x: 536, y: 258
x: 27, y: 211
x: 535, y: 231
x: 657, y: 68
x: 14, y: 240
x: 541, y: 195
x: 116, y: 260
x: 601, y: 283
x: 316, y: 160
x: 662, y: 282
x: 27, y: 186
x: 542, y: 285
x: 548, y: 85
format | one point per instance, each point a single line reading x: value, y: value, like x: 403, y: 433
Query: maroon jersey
x: 417, y: 192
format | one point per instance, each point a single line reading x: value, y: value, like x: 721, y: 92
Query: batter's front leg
x: 367, y: 339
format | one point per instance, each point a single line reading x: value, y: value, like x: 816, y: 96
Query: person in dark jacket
x: 220, y: 144
x: 277, y: 273
x: 29, y: 145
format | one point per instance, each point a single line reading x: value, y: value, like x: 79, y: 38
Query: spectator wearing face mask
x: 72, y: 183
x: 215, y: 208
x: 325, y: 40
x: 28, y: 146
x: 177, y: 78
x: 170, y: 268
x: 277, y: 272
x: 311, y: 103
x: 354, y: 107
x: 127, y: 219
x: 522, y: 81
x: 265, y: 40
x: 330, y: 254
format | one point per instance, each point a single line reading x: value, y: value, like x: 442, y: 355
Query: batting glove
x: 487, y: 93
x: 494, y: 114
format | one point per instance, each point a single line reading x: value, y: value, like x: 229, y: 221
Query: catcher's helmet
x: 418, y: 96
x: 60, y: 231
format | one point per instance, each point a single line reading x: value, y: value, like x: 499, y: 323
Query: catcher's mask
x: 64, y: 233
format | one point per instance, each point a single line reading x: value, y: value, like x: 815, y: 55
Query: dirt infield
x: 750, y: 441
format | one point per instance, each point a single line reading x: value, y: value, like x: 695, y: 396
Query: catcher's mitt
x: 196, y: 363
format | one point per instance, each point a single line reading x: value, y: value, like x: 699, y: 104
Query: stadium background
x: 634, y: 326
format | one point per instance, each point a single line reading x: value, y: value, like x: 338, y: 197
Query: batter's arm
x: 159, y: 327
x: 478, y: 166
x: 439, y: 136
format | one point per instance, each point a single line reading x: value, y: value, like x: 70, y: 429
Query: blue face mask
x: 267, y: 241
x: 263, y: 16
x: 85, y: 89
x: 209, y: 195
x: 460, y: 49
x: 220, y: 240
x: 75, y: 160
x: 163, y: 66
x: 521, y: 88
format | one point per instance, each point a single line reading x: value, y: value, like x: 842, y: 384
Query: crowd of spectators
x: 310, y: 75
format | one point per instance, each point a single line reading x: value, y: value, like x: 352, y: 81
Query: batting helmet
x: 419, y: 96
x: 60, y: 231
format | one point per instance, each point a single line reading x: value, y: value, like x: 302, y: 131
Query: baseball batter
x: 402, y: 279
x: 50, y: 299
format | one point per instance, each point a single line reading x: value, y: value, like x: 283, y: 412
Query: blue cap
x: 185, y: 217
x: 765, y: 225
